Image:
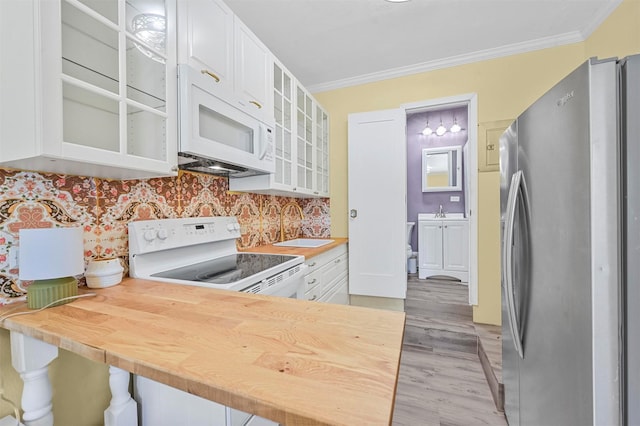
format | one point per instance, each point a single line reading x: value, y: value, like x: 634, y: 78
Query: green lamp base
x: 42, y: 292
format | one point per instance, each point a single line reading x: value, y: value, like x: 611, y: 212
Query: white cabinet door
x: 304, y: 141
x: 253, y: 65
x: 455, y: 245
x: 206, y: 40
x: 443, y: 248
x: 283, y: 104
x: 429, y: 247
x: 377, y: 204
x: 321, y: 158
x: 96, y: 94
x: 160, y: 404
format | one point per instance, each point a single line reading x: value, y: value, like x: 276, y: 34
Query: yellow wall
x: 505, y: 88
x: 80, y: 387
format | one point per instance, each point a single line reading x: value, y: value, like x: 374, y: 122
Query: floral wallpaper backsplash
x: 103, y: 208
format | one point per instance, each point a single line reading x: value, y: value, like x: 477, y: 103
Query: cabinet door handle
x: 311, y: 265
x: 313, y: 281
x: 256, y: 103
x: 353, y: 213
x: 337, y: 261
x: 212, y: 75
x: 315, y: 296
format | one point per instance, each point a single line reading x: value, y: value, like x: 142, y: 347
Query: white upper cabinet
x: 301, y: 142
x: 322, y: 151
x: 212, y: 40
x: 206, y: 41
x: 88, y: 87
x: 253, y: 65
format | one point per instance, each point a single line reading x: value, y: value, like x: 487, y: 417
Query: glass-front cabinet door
x: 115, y: 61
x: 304, y: 106
x: 283, y: 112
x: 322, y: 152
x: 102, y: 77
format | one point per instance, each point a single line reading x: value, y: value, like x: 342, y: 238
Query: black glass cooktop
x: 227, y: 269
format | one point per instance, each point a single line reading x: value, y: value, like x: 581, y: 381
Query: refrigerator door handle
x: 517, y: 192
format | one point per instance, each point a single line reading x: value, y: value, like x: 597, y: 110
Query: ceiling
x: 328, y: 44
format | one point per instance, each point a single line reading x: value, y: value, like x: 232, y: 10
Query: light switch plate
x: 454, y: 198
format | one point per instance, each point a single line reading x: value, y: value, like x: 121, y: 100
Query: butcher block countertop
x: 291, y: 361
x: 299, y: 251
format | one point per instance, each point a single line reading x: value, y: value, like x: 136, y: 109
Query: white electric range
x: 202, y: 252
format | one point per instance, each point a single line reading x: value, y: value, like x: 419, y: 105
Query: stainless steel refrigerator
x: 570, y: 216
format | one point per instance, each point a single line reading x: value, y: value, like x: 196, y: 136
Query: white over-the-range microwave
x: 217, y: 137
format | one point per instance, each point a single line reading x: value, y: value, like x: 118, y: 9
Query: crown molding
x: 452, y: 61
x: 482, y: 55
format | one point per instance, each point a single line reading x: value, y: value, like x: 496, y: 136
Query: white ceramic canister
x: 103, y: 273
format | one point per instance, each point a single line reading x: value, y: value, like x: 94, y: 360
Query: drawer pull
x: 256, y: 104
x: 313, y: 281
x: 212, y: 75
x: 337, y: 261
x: 311, y: 265
x: 315, y: 296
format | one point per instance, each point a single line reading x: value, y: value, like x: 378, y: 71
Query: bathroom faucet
x: 440, y: 213
x: 290, y: 203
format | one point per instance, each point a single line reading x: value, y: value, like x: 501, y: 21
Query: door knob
x: 353, y: 213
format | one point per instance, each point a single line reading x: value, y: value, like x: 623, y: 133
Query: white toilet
x: 410, y: 226
x: 411, y: 261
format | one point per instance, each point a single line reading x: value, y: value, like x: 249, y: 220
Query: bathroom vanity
x: 443, y: 246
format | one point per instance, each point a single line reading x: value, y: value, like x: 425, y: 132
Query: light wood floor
x: 441, y: 381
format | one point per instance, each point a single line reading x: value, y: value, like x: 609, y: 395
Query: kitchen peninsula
x: 291, y: 361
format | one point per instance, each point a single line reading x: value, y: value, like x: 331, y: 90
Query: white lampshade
x: 47, y: 253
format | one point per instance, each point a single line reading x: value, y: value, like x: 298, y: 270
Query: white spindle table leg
x: 123, y: 410
x: 31, y: 357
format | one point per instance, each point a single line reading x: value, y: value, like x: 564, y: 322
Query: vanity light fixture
x: 441, y: 130
x: 397, y: 1
x: 152, y: 30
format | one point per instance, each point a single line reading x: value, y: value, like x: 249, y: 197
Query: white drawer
x: 316, y: 262
x: 333, y: 270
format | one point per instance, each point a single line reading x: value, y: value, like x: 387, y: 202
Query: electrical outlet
x: 454, y: 198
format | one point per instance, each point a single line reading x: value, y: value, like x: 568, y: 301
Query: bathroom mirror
x: 442, y: 169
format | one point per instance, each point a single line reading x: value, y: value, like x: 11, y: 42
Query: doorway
x: 447, y: 112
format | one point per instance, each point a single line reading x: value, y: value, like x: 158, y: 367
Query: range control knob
x: 150, y: 235
x: 236, y: 226
x: 230, y: 227
x: 162, y: 234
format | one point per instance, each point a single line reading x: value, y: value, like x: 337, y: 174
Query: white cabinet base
x: 430, y: 273
x: 443, y: 248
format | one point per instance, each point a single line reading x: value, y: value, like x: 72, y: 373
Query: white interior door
x: 377, y: 204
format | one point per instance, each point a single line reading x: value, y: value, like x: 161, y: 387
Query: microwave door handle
x: 264, y: 144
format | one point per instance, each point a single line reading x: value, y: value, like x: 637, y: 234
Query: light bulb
x: 456, y: 127
x: 427, y: 130
x: 441, y: 130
